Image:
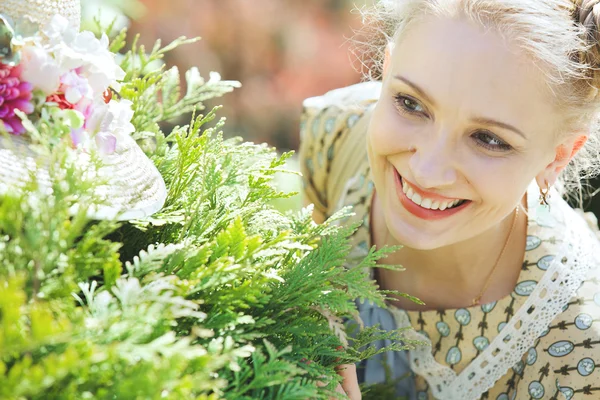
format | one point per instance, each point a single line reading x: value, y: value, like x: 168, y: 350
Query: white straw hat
x: 135, y: 188
x: 41, y: 11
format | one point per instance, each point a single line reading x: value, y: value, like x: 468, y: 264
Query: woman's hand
x: 349, y: 385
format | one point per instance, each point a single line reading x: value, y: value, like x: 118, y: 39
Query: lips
x: 425, y: 205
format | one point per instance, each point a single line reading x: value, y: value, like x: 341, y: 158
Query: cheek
x: 388, y: 132
x: 498, y: 190
x: 499, y: 183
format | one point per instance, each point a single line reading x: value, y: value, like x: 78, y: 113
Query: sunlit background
x: 282, y: 51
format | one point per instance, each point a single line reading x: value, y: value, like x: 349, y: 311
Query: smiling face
x: 464, y: 124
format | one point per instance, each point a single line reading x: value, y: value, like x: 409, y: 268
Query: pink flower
x: 106, y: 142
x: 79, y: 137
x: 15, y: 94
x: 75, y: 87
x: 86, y: 107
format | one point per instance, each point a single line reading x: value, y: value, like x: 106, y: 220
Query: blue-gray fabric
x: 372, y: 371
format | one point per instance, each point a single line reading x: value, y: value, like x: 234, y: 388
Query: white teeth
x: 425, y: 202
x: 417, y: 199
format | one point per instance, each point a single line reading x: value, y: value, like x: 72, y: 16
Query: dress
x: 540, y: 342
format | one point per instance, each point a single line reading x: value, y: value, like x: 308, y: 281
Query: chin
x: 419, y: 239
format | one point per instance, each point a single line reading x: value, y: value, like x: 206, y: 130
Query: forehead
x: 469, y: 70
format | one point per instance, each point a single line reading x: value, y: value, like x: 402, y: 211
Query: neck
x: 451, y: 276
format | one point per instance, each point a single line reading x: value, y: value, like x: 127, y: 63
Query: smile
x: 429, y: 206
x: 426, y: 202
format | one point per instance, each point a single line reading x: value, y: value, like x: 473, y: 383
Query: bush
x: 219, y: 295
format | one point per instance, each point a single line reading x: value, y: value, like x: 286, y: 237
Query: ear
x: 564, y: 154
x: 387, y: 59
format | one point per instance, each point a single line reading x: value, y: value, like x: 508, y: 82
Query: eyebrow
x: 479, y: 120
x: 487, y: 121
x: 416, y: 88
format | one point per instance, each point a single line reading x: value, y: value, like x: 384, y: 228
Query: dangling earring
x: 544, y: 194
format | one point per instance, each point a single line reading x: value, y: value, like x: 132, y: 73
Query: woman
x: 484, y: 117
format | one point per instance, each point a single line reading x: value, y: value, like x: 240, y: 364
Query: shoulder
x: 332, y: 141
x: 569, y: 350
x: 562, y: 362
x: 590, y: 219
x: 578, y: 233
x: 344, y: 97
x: 582, y: 239
x: 567, y: 355
x: 338, y: 108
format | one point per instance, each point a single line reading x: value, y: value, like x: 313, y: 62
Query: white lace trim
x: 577, y: 254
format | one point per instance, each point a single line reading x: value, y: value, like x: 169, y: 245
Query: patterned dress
x: 540, y: 342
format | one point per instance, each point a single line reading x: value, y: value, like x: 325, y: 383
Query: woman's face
x: 462, y: 117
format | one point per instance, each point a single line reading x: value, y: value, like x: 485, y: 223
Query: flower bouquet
x: 59, y: 86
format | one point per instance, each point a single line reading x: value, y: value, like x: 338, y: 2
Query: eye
x: 490, y: 141
x: 408, y: 104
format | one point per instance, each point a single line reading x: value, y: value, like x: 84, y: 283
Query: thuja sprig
x: 156, y: 92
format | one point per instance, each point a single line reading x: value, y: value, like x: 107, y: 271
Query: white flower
x: 58, y: 30
x: 110, y: 123
x: 84, y: 52
x: 41, y: 70
x: 98, y: 64
x: 122, y: 113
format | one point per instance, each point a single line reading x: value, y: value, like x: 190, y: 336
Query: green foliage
x: 217, y: 296
x: 156, y: 92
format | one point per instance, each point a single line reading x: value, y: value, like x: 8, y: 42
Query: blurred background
x: 277, y: 49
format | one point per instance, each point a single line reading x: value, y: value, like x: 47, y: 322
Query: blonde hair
x: 561, y: 36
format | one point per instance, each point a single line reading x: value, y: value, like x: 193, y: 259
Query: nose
x: 433, y: 164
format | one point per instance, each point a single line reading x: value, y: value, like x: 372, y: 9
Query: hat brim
x: 132, y: 187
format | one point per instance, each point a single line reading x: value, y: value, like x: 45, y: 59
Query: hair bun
x: 587, y: 13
